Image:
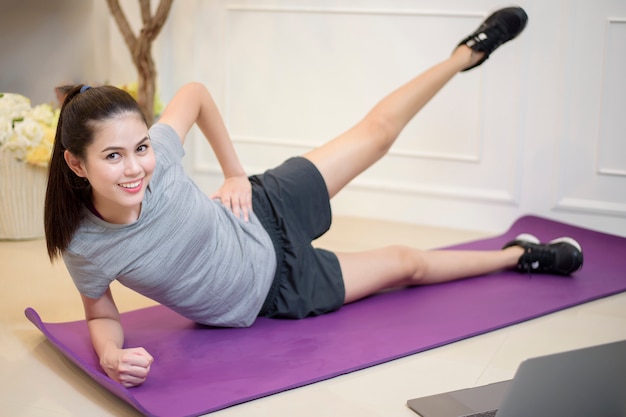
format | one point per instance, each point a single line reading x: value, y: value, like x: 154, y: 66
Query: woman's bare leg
x: 366, y: 273
x: 346, y: 156
x: 349, y: 154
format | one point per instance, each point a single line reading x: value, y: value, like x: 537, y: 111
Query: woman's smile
x: 132, y: 187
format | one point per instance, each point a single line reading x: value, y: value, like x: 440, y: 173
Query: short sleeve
x: 89, y: 279
x: 167, y: 145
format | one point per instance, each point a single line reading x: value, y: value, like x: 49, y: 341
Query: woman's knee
x: 411, y: 263
x: 382, y: 132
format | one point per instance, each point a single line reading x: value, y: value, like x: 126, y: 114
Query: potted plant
x: 26, y: 139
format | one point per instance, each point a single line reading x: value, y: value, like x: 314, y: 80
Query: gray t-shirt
x: 185, y: 251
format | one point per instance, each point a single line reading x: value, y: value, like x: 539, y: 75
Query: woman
x: 120, y: 207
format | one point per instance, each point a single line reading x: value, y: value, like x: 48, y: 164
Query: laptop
x: 578, y: 383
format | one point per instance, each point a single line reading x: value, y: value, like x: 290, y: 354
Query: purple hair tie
x: 84, y: 88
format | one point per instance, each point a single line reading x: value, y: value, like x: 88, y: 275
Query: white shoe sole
x: 568, y: 240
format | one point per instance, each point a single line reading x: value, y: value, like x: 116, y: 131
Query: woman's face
x: 118, y: 164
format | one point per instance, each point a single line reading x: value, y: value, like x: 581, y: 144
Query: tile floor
x: 35, y: 381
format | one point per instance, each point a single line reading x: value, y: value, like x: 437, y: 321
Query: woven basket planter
x: 22, y: 194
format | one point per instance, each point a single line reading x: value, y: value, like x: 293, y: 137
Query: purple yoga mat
x: 199, y: 369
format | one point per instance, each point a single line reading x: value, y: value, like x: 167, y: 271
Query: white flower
x: 13, y: 106
x: 26, y: 135
x: 42, y: 113
x: 6, y: 128
x: 27, y: 132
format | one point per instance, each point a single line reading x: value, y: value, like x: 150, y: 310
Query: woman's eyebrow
x: 117, y: 148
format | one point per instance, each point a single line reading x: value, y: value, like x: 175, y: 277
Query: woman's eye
x: 142, y: 148
x: 113, y: 156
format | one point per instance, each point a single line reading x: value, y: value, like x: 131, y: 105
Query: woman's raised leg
x: 352, y: 152
x: 346, y: 156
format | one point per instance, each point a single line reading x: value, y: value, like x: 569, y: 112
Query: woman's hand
x: 129, y: 367
x: 236, y: 195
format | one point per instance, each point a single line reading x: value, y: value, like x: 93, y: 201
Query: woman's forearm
x: 107, y: 335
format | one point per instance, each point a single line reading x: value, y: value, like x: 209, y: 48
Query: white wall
x: 47, y: 43
x: 538, y: 129
x: 535, y: 130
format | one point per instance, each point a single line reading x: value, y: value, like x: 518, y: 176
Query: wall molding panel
x: 592, y: 174
x: 611, y: 145
x: 603, y: 208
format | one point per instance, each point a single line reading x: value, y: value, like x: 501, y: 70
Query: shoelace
x: 495, y: 36
x: 537, y: 256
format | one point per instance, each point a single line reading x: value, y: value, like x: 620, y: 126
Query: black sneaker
x: 560, y: 256
x: 502, y: 26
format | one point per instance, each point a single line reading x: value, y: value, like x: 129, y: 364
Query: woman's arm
x: 130, y: 367
x: 193, y: 104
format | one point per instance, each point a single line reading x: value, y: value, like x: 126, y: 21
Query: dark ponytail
x: 83, y: 108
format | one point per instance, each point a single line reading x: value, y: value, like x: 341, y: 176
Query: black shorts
x: 292, y: 203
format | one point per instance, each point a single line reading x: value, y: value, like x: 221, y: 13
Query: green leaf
x: 16, y: 120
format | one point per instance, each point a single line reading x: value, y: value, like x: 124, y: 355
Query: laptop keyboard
x: 491, y: 413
